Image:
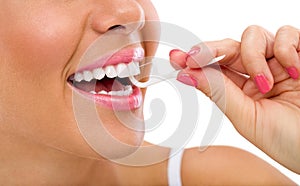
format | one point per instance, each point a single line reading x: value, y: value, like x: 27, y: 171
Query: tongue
x: 109, y: 85
x: 106, y: 84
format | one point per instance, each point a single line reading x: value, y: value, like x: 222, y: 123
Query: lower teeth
x: 126, y: 92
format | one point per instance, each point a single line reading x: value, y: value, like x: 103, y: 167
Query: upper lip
x: 122, y: 56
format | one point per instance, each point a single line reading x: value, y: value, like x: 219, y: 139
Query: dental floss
x: 163, y: 77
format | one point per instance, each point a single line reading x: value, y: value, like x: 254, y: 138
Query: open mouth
x: 109, y: 85
x: 111, y: 80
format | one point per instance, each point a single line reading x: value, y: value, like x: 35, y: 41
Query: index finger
x: 200, y: 55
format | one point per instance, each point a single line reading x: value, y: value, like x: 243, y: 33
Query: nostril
x: 116, y: 27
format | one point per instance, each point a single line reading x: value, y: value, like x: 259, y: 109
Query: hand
x: 257, y: 86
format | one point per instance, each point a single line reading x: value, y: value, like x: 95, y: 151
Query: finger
x: 246, y: 115
x: 277, y: 70
x: 279, y: 75
x: 201, y: 54
x: 225, y: 93
x: 236, y: 78
x: 286, y: 49
x: 178, y: 58
x: 256, y: 46
x: 282, y: 81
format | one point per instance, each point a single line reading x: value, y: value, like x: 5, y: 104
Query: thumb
x: 238, y: 107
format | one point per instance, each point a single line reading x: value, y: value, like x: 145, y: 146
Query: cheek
x: 39, y: 43
x: 35, y: 47
x: 151, y: 30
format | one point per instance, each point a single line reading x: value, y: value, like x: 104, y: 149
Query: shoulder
x: 227, y: 165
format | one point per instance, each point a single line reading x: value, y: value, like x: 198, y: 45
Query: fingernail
x: 293, y: 72
x: 173, y: 51
x: 193, y: 51
x: 188, y: 80
x: 262, y: 83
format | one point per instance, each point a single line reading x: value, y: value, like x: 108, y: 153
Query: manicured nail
x: 173, y: 51
x: 262, y: 83
x: 188, y: 80
x: 193, y: 51
x: 293, y: 72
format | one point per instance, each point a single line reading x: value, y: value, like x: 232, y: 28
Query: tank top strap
x: 174, y: 167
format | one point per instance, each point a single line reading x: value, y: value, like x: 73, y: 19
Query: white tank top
x: 174, y: 167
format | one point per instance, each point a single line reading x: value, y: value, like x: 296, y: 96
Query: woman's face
x: 43, y: 45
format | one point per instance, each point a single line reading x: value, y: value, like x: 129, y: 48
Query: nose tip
x: 118, y: 15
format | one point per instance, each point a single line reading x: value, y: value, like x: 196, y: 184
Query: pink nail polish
x: 188, y: 80
x: 262, y: 83
x: 293, y: 72
x: 173, y: 51
x: 193, y: 51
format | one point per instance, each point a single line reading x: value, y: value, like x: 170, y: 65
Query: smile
x: 106, y: 82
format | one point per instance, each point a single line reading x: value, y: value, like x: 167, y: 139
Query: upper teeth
x: 121, y: 70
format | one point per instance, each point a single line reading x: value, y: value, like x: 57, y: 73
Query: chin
x: 111, y: 133
x: 108, y: 108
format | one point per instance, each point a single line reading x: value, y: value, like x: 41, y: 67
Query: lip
x: 122, y: 56
x: 118, y: 103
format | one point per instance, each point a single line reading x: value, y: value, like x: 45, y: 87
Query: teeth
x: 98, y: 73
x: 126, y: 92
x: 78, y: 77
x: 102, y: 92
x: 87, y: 75
x: 110, y: 71
x: 121, y: 70
x: 134, y: 68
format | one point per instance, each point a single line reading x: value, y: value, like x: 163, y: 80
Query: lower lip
x: 118, y: 103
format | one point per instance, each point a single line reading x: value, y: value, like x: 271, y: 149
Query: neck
x: 35, y: 164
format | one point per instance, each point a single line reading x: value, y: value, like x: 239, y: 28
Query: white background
x: 213, y: 20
